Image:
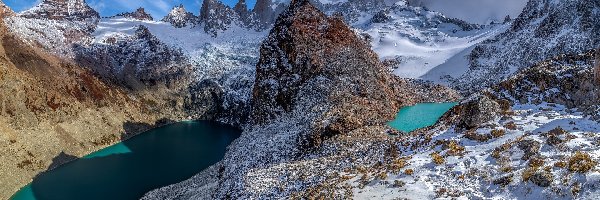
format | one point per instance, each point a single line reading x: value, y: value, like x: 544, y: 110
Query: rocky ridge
x: 138, y: 14
x: 546, y: 28
x: 179, y: 17
x: 70, y: 10
x: 54, y: 25
x: 216, y: 16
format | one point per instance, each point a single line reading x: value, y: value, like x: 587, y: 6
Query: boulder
x: 477, y: 111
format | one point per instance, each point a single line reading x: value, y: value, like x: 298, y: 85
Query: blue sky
x: 157, y: 8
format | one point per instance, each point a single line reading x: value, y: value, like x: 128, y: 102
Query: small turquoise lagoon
x: 129, y: 169
x: 421, y: 115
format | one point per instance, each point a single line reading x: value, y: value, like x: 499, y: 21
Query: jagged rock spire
x: 179, y: 17
x: 139, y: 14
x: 264, y: 12
x: 216, y: 16
x: 241, y: 8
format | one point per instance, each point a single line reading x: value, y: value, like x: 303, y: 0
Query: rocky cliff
x: 179, y: 17
x: 317, y: 85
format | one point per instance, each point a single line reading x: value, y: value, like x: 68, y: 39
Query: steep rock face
x: 216, y: 16
x: 138, y: 14
x: 266, y: 12
x: 179, y: 17
x: 307, y: 52
x: 72, y: 10
x: 242, y: 11
x: 546, y: 28
x: 5, y: 11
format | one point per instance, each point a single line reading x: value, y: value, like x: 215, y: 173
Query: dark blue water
x: 128, y: 170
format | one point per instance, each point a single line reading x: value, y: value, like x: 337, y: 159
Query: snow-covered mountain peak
x: 138, y: 14
x: 179, y: 17
x: 72, y: 10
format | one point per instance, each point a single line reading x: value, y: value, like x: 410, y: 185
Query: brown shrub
x: 496, y: 133
x: 560, y: 164
x: 526, y: 175
x: 437, y: 158
x: 536, y: 162
x: 472, y: 135
x: 454, y: 149
x: 511, y: 126
x: 581, y: 162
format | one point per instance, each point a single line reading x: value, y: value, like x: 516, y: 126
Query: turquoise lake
x: 422, y: 115
x: 129, y: 169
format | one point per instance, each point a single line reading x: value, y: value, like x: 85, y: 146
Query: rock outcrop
x: 179, y: 17
x: 567, y: 80
x: 477, y: 111
x: 245, y: 16
x: 55, y: 25
x: 545, y: 29
x: 5, y: 11
x: 138, y: 14
x: 72, y: 10
x: 265, y: 14
x: 216, y: 16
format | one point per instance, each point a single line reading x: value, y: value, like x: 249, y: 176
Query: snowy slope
x: 419, y: 40
x: 546, y: 28
x: 228, y: 59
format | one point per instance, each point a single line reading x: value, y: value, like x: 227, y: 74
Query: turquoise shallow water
x: 422, y: 115
x: 129, y: 169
